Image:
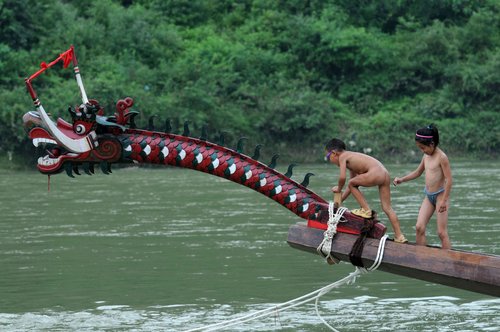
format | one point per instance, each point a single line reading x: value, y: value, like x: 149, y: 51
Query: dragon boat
x: 92, y: 139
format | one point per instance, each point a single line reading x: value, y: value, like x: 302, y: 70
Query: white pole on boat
x: 78, y: 77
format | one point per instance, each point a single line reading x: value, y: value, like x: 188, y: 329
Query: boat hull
x: 460, y: 269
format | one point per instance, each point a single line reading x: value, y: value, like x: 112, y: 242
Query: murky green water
x: 172, y: 250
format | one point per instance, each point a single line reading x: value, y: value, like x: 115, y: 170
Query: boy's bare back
x: 360, y: 163
x: 368, y: 170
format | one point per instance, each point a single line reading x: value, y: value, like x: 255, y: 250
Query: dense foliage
x: 289, y: 74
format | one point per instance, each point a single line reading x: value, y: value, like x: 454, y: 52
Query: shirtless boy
x: 365, y: 171
x: 438, y: 183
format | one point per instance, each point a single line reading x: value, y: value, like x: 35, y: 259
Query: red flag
x: 67, y: 57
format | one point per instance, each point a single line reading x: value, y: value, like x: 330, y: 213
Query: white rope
x: 359, y: 271
x: 282, y: 306
x: 325, y: 248
x: 350, y: 279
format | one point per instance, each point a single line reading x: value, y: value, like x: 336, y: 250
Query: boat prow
x: 460, y: 269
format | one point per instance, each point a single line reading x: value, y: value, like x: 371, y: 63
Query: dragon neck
x: 175, y: 150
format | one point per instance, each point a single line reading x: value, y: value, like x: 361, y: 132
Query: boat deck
x: 460, y: 269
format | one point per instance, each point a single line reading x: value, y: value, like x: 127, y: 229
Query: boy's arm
x: 342, y: 175
x: 410, y: 176
x: 347, y: 191
x: 445, y: 166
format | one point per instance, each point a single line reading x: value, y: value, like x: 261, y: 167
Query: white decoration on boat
x: 278, y: 189
x: 263, y: 182
x: 164, y: 152
x: 305, y: 207
x: 182, y: 154
x: 215, y: 163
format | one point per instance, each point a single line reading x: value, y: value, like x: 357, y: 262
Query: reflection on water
x: 169, y: 249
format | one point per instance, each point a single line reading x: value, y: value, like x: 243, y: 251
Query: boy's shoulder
x: 353, y: 156
x: 442, y: 154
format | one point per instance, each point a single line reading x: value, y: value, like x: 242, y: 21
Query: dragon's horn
x: 239, y: 146
x: 204, y: 133
x: 256, y: 153
x: 168, y: 126
x: 272, y: 164
x: 186, y: 129
x: 288, y: 173
x: 305, y: 183
x: 151, y: 125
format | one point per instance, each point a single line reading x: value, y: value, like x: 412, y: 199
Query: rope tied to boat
x: 359, y: 245
x: 334, y: 217
x: 313, y: 296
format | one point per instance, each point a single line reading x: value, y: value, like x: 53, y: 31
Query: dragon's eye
x: 80, y: 129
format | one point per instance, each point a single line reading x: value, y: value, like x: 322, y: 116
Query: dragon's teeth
x: 38, y: 141
x: 47, y: 161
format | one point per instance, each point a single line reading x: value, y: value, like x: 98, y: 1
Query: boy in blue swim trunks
x: 438, y: 183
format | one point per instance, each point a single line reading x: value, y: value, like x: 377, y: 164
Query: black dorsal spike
x: 204, y: 133
x: 305, y: 183
x: 272, y: 164
x: 221, y: 139
x: 168, y: 126
x: 151, y: 123
x: 289, y: 172
x: 131, y: 121
x: 239, y: 146
x: 256, y: 153
x: 104, y: 167
x: 86, y: 168
x: 75, y: 170
x: 69, y: 170
x: 186, y: 129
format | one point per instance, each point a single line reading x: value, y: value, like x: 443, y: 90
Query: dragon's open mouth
x: 56, y: 154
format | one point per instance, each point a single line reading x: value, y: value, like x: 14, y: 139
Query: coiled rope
x: 325, y: 247
x: 315, y: 295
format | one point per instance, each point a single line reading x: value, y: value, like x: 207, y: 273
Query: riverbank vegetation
x: 286, y: 74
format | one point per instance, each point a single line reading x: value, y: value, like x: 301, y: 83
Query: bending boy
x: 365, y: 171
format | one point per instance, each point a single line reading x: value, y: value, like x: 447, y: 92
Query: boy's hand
x: 397, y: 181
x: 443, y: 206
x: 336, y: 189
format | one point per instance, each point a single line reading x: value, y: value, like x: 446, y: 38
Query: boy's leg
x: 442, y: 226
x: 369, y: 179
x: 385, y: 200
x: 360, y: 198
x: 424, y: 215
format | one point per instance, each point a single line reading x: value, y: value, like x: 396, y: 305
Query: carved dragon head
x: 86, y: 140
x: 81, y: 141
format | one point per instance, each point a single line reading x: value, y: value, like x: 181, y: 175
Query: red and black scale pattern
x: 169, y: 149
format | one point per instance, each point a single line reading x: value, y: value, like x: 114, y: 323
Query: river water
x: 167, y: 249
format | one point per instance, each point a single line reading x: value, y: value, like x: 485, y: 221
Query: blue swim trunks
x: 433, y: 196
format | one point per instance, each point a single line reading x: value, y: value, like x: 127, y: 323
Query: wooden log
x: 455, y: 268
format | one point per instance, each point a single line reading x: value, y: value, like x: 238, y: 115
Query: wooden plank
x: 460, y: 269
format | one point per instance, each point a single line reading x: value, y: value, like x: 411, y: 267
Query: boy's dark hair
x: 428, y: 135
x: 335, y: 144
